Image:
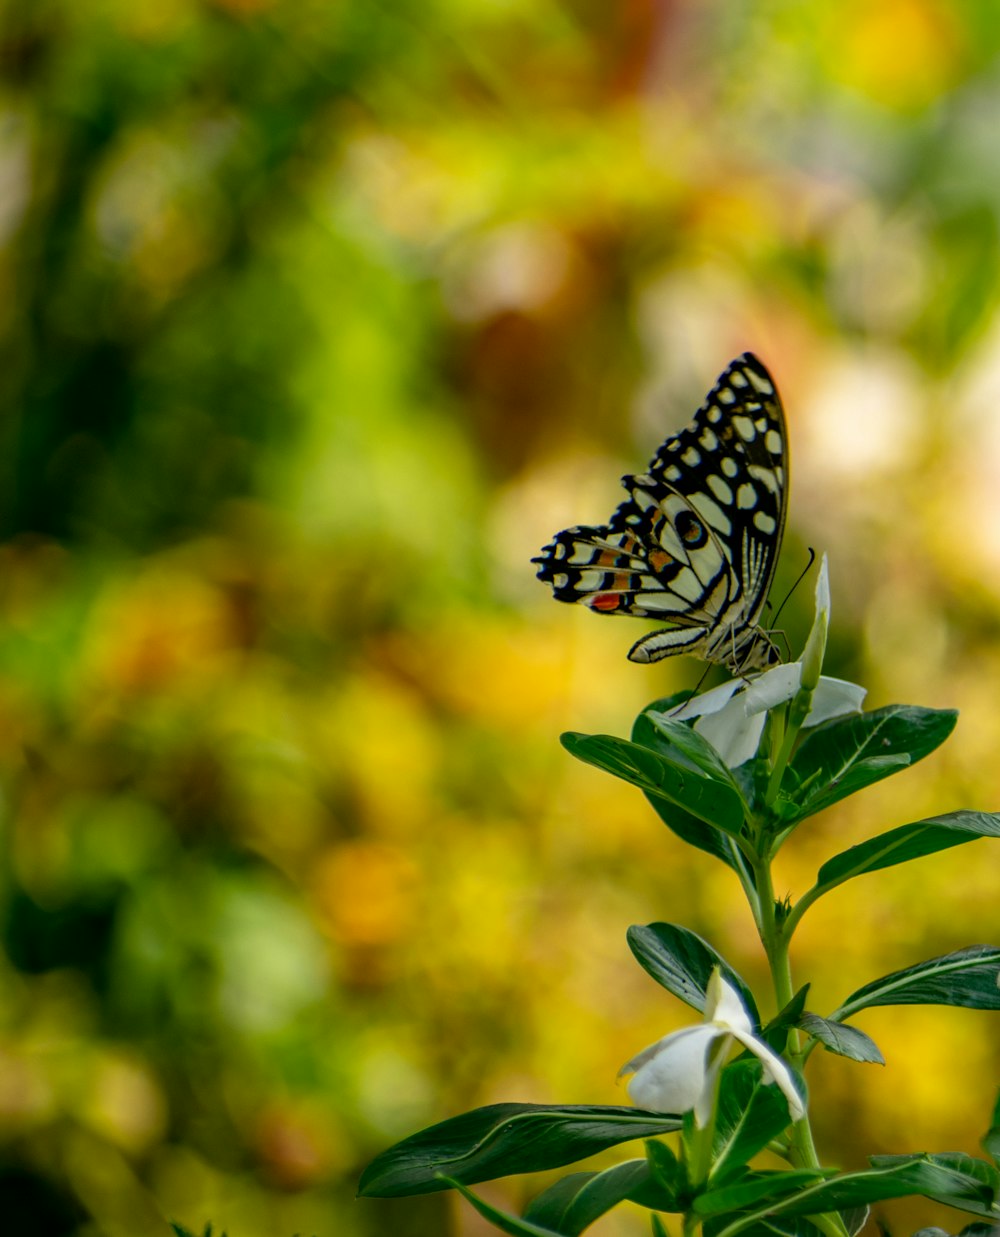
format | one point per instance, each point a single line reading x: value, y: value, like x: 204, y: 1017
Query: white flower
x: 679, y: 1071
x: 731, y: 717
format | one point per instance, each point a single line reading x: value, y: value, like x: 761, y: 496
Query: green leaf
x: 973, y: 1186
x: 675, y: 780
x: 776, y: 1032
x: 845, y: 1041
x: 549, y: 1208
x: 942, y: 1178
x: 753, y: 1189
x: 575, y: 1202
x: 967, y: 978
x: 765, y: 1225
x: 749, y: 1115
x: 991, y: 1139
x: 682, y: 962
x: 845, y: 755
x: 658, y: 1227
x: 686, y: 743
x: 923, y: 837
x: 689, y: 828
x: 502, y: 1139
x: 668, y: 1172
x: 502, y: 1220
x: 991, y: 1144
x: 855, y: 1218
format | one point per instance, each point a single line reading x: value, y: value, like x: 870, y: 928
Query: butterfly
x: 697, y: 540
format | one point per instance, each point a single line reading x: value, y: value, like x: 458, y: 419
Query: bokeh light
x: 317, y: 320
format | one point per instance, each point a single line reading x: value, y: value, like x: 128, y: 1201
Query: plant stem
x: 803, y: 1149
x: 789, y: 735
x: 775, y: 939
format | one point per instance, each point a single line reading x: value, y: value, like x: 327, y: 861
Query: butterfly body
x: 696, y: 542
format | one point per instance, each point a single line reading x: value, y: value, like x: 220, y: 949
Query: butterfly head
x: 759, y: 653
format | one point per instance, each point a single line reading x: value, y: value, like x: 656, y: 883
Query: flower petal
x: 773, y: 687
x: 715, y: 1060
x: 670, y: 1075
x: 815, y: 650
x: 734, y: 736
x: 708, y: 702
x: 834, y: 698
x: 823, y: 587
x: 776, y: 1071
x: 724, y: 1006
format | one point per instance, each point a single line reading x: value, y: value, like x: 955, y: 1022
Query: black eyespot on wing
x: 690, y: 529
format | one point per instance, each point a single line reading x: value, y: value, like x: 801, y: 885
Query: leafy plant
x: 735, y: 772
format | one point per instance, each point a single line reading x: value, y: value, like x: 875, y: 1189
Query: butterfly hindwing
x: 697, y: 539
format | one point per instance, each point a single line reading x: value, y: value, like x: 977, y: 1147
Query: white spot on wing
x: 768, y: 477
x: 745, y: 428
x: 746, y: 497
x: 772, y: 440
x: 691, y: 457
x: 722, y: 491
x: 764, y: 523
x: 712, y: 512
x: 687, y: 585
x: 760, y: 382
x: 665, y: 601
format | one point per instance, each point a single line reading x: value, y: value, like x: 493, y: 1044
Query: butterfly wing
x: 697, y: 540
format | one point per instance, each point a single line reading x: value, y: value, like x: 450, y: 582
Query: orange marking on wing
x: 606, y: 601
x: 606, y: 558
x: 658, y: 559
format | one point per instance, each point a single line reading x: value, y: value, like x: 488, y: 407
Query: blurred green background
x: 317, y: 320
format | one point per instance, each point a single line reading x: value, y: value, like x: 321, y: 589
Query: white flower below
x: 679, y: 1072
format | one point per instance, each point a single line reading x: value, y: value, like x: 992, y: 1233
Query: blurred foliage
x: 316, y: 321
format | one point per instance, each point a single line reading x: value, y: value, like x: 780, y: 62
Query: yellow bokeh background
x: 318, y: 320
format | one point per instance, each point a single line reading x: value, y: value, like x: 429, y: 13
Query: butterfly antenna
x: 697, y: 688
x: 801, y: 576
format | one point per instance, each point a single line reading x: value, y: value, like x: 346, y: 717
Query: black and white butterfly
x: 697, y: 540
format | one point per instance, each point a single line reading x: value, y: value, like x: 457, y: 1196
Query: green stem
x: 775, y: 938
x: 789, y: 733
x: 775, y: 941
x: 699, y: 1164
x: 691, y: 1223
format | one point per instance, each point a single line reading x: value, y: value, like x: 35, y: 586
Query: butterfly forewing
x: 697, y: 540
